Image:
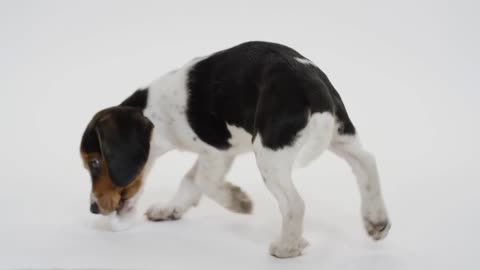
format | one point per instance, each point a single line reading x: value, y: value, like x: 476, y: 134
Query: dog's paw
x: 121, y: 222
x: 282, y: 249
x: 158, y: 213
x: 240, y: 202
x: 377, y: 230
x: 375, y: 220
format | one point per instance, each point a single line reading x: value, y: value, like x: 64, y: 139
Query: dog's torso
x: 220, y: 102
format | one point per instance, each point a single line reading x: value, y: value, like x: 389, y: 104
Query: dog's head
x: 114, y: 149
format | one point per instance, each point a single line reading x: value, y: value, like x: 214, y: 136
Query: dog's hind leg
x: 276, y: 165
x: 276, y: 168
x: 187, y: 195
x: 364, y: 167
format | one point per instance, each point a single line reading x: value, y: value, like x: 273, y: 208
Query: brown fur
x: 108, y: 195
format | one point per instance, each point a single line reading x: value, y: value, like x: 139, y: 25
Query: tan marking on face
x: 107, y: 194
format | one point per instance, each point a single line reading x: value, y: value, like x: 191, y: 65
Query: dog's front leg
x: 187, y: 196
x: 210, y: 178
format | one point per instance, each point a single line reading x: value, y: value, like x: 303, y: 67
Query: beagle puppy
x: 256, y: 96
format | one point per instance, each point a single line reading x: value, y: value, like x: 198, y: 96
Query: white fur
x: 241, y: 140
x: 304, y: 61
x: 276, y: 168
x: 119, y: 223
x: 365, y: 169
x: 209, y: 177
x: 319, y: 133
x: 166, y: 109
x: 188, y: 195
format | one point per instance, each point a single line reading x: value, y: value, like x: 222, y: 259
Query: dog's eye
x: 94, y: 164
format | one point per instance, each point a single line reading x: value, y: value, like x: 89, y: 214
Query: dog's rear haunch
x: 257, y: 96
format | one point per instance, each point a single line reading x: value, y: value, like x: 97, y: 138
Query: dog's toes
x: 377, y: 230
x: 282, y: 249
x: 375, y: 219
x: 156, y: 213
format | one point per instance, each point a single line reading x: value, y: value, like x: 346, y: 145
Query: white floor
x: 408, y: 73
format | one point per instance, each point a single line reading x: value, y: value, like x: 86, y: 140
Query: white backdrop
x: 407, y: 71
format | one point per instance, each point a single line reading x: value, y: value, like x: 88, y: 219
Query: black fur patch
x: 122, y: 136
x: 137, y: 99
x: 89, y: 142
x: 259, y: 87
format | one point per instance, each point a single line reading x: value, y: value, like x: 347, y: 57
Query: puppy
x: 256, y: 96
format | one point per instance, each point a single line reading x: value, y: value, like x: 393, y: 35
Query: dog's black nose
x: 94, y: 208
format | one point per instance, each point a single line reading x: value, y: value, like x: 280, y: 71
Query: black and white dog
x: 256, y: 96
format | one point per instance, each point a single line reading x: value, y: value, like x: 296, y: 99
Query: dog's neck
x: 165, y: 105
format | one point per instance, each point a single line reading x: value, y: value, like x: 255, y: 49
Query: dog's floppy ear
x: 124, y: 138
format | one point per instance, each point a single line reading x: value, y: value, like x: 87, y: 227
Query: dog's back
x: 251, y: 86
